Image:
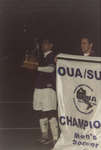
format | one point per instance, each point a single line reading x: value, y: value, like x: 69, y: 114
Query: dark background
x: 63, y: 21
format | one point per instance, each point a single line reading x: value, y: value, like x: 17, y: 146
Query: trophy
x: 30, y: 61
x: 32, y: 56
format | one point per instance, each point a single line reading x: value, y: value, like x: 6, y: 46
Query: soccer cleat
x: 53, y: 144
x: 49, y: 141
x: 44, y: 140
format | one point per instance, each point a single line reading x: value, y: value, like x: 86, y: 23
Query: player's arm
x: 48, y: 69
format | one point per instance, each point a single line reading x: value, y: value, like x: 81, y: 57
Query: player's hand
x: 30, y: 65
x: 35, y: 66
x: 55, y: 60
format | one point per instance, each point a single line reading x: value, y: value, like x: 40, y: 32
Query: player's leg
x: 53, y: 125
x: 48, y: 106
x: 38, y: 102
x: 43, y: 121
x: 52, y: 114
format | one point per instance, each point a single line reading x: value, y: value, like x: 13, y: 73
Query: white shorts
x: 44, y: 99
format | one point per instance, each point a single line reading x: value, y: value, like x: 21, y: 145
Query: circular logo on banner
x: 84, y: 99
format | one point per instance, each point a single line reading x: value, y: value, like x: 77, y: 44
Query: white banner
x: 79, y: 102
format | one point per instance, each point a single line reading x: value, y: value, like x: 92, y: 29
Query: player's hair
x: 47, y: 40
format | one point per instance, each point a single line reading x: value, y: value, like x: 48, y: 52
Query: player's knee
x: 52, y: 114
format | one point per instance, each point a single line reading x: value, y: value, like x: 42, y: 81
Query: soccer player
x: 86, y: 47
x: 44, y: 96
